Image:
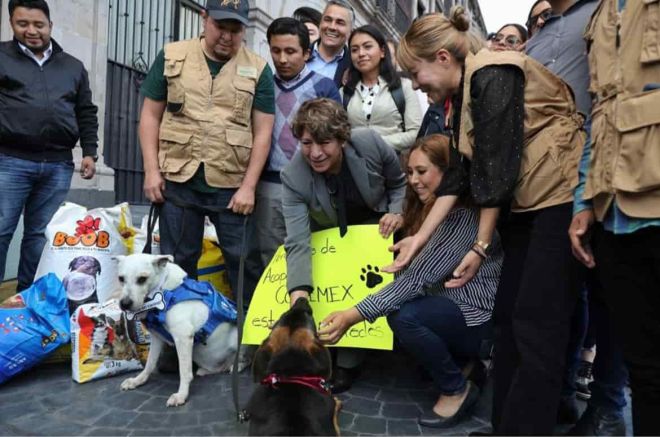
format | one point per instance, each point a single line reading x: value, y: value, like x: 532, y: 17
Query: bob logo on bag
x: 87, y: 234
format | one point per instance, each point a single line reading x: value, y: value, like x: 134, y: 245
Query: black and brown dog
x: 293, y: 367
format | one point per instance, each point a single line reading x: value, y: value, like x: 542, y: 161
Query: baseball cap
x: 228, y: 10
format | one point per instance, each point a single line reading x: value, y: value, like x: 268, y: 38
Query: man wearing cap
x: 205, y: 133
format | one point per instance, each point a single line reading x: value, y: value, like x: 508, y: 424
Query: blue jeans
x: 38, y: 188
x: 609, y: 370
x: 182, y: 232
x: 433, y: 330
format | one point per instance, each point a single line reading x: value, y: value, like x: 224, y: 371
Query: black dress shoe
x: 567, y: 413
x: 597, y: 422
x: 433, y: 420
x: 342, y: 379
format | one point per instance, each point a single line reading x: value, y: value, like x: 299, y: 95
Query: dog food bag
x: 33, y: 324
x: 79, y: 250
x: 100, y: 342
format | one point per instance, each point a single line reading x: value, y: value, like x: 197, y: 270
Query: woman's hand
x: 407, y: 248
x: 336, y: 324
x: 389, y: 223
x: 465, y: 271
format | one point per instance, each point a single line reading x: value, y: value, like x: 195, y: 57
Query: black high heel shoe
x: 433, y: 420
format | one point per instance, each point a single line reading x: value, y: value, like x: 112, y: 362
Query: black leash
x: 154, y: 212
x: 241, y: 414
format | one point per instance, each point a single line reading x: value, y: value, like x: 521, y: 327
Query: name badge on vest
x: 246, y: 71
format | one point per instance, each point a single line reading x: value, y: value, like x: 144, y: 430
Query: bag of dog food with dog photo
x: 33, y: 324
x: 79, y: 250
x: 101, y: 342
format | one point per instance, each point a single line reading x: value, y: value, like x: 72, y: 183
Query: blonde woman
x: 517, y: 129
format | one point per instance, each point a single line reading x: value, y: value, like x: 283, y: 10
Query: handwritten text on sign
x: 345, y: 270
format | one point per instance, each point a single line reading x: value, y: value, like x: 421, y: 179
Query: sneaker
x: 584, y: 377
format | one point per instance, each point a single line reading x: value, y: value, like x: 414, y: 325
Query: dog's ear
x: 97, y: 265
x: 162, y: 260
x: 118, y: 258
x: 260, y: 363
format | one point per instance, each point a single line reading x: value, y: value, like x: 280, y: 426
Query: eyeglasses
x: 509, y: 40
x: 534, y: 19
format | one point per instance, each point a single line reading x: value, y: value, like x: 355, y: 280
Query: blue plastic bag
x: 32, y: 324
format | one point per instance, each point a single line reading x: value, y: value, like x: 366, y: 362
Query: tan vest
x: 553, y: 138
x: 625, y: 150
x: 207, y: 120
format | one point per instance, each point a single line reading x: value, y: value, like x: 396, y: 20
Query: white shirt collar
x: 46, y: 54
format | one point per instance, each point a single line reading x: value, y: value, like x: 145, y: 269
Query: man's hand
x: 580, y: 236
x: 465, y: 271
x: 389, y: 223
x: 242, y: 202
x: 87, y: 167
x: 407, y: 248
x: 336, y: 324
x: 154, y: 185
x: 298, y: 294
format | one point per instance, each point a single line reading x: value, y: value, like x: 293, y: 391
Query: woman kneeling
x: 443, y: 328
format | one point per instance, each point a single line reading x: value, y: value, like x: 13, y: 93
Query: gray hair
x: 342, y: 4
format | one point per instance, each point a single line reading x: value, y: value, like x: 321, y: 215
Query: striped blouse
x: 428, y: 271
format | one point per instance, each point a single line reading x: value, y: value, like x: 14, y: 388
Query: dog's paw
x: 176, y: 400
x: 130, y: 384
x: 371, y: 276
x: 205, y: 372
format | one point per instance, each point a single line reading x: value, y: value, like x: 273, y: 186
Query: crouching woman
x: 442, y: 328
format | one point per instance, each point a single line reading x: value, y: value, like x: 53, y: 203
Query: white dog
x: 144, y: 276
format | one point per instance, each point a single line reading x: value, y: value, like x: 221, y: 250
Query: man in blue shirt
x: 330, y: 56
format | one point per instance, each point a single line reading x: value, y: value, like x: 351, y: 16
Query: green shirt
x: 155, y: 87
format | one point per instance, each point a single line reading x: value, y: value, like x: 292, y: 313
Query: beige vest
x: 207, y: 120
x: 625, y: 150
x: 553, y: 138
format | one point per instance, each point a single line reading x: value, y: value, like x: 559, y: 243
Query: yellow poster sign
x: 345, y: 270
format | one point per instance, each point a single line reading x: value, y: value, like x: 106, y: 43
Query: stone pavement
x: 385, y: 400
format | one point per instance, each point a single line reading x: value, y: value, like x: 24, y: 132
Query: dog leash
x: 241, y: 414
x: 154, y: 213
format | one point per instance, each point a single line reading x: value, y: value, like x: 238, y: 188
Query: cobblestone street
x: 385, y: 400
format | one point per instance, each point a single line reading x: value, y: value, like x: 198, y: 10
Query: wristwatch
x: 486, y: 247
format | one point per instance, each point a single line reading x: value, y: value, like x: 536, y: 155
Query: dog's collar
x: 314, y: 382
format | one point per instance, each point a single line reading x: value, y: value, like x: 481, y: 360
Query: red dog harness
x: 314, y: 382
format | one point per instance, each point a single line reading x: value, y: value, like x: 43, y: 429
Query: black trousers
x: 630, y: 274
x: 535, y: 300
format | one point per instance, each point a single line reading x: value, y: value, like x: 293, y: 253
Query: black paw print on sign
x: 371, y: 276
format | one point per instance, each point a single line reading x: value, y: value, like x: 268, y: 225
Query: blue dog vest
x: 221, y: 309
